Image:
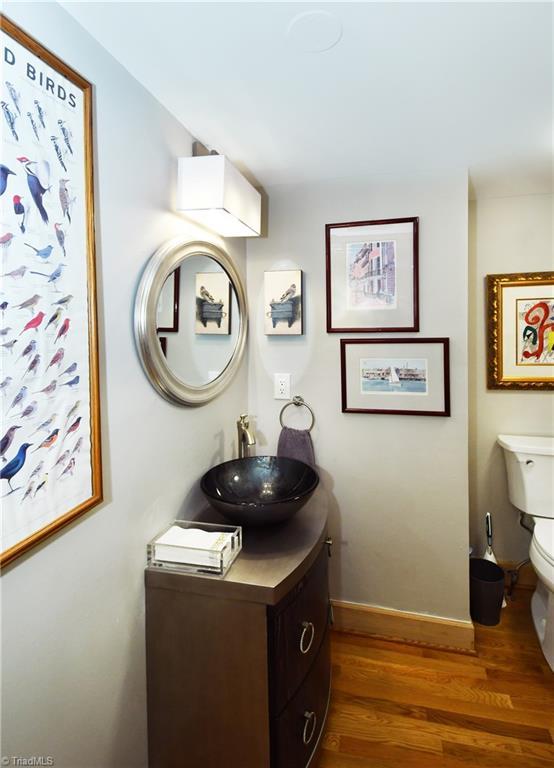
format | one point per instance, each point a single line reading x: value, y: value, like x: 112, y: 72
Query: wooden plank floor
x: 401, y: 706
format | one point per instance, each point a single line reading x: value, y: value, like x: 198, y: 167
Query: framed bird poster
x: 283, y: 300
x: 50, y: 448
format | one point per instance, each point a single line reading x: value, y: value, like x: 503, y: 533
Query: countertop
x: 271, y: 560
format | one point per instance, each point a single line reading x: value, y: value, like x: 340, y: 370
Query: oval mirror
x: 190, y: 321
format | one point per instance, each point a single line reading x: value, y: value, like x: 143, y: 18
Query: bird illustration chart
x: 45, y: 343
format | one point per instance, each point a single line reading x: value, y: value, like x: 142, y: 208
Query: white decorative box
x: 194, y: 547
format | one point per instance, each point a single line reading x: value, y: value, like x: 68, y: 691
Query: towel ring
x: 298, y: 401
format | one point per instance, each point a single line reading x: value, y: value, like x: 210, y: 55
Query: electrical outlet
x: 281, y: 386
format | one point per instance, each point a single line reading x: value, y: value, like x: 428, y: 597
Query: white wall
x: 510, y: 234
x: 398, y: 484
x: 73, y: 609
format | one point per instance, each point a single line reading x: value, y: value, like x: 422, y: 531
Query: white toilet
x: 530, y: 467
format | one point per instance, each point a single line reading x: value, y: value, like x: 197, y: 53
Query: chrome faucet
x: 245, y: 435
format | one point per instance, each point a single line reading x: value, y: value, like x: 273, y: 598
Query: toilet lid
x: 544, y: 538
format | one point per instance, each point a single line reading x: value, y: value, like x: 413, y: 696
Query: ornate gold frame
x: 52, y: 60
x: 495, y: 375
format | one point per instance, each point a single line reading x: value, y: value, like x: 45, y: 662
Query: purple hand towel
x: 296, y: 444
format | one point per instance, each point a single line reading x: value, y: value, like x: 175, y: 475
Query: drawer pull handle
x: 308, y: 628
x: 309, y: 727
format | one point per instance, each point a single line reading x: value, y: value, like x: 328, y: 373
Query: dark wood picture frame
x: 445, y: 342
x: 174, y: 327
x: 414, y: 326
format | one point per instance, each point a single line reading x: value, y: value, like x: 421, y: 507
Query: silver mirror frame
x: 156, y: 272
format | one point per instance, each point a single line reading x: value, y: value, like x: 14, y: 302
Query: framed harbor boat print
x: 372, y: 276
x: 520, y: 331
x: 283, y: 302
x: 50, y: 448
x: 396, y: 376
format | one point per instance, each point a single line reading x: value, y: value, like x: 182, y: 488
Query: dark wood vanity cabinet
x: 238, y: 669
x: 296, y: 630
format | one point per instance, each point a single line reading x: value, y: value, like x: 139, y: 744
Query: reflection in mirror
x: 191, y: 321
x: 198, y: 316
x: 167, y: 320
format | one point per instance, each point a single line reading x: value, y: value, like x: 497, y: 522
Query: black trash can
x: 486, y: 591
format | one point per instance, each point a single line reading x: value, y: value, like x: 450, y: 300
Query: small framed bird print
x: 283, y: 300
x: 213, y: 303
x: 50, y: 467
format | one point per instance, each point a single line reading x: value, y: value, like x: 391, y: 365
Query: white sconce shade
x: 214, y: 193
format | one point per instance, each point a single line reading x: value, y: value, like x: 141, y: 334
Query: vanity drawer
x: 297, y: 730
x: 298, y: 631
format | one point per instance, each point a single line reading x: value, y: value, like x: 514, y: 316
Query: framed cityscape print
x: 396, y: 376
x: 520, y: 331
x: 50, y: 448
x: 283, y: 300
x: 372, y: 276
x: 163, y: 344
x: 168, y: 304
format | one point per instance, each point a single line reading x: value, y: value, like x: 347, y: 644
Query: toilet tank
x: 530, y: 468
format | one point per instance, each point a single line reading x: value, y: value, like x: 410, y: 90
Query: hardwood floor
x: 402, y: 706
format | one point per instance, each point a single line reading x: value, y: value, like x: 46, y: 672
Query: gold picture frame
x: 520, y: 331
x: 73, y: 485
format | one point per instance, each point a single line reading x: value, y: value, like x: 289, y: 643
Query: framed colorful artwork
x: 396, y: 376
x: 168, y: 304
x: 213, y: 303
x: 283, y: 303
x: 520, y: 325
x: 50, y: 447
x: 372, y: 276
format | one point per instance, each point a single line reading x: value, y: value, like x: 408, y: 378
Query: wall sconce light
x: 214, y: 193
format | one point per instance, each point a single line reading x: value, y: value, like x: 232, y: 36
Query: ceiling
x: 408, y: 87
